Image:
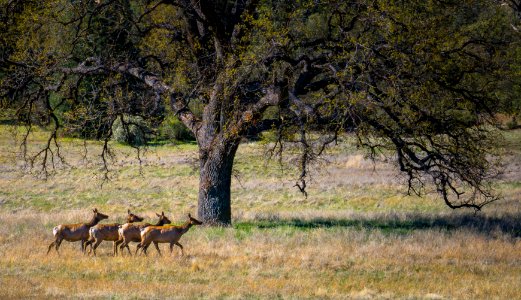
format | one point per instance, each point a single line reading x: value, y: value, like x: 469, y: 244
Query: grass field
x: 356, y: 236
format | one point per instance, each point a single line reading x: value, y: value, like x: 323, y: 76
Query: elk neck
x: 185, y: 227
x: 95, y: 220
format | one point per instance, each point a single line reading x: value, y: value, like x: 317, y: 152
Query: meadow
x: 357, y: 235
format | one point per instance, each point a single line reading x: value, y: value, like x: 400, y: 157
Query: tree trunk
x: 216, y: 164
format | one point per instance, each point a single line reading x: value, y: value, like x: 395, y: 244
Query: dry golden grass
x: 336, y: 261
x: 357, y: 235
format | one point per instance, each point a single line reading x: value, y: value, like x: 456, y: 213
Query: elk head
x: 193, y: 221
x: 131, y: 218
x: 99, y: 216
x: 163, y: 219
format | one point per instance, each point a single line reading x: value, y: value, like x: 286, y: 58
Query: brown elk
x: 132, y: 232
x: 75, y: 232
x: 165, y: 234
x: 108, y: 232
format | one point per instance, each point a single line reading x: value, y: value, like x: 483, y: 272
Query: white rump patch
x: 55, y: 230
x: 92, y: 231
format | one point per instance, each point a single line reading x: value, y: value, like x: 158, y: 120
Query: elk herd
x: 92, y: 234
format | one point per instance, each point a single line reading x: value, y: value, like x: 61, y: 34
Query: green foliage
x: 173, y: 129
x: 269, y: 136
x: 132, y: 130
x: 513, y: 123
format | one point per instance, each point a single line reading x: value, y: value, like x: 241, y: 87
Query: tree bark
x: 216, y: 164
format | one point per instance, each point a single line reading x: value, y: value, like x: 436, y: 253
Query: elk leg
x: 58, y: 243
x: 95, y: 246
x: 123, y: 246
x: 116, y: 244
x: 171, y: 247
x: 50, y: 246
x: 128, y: 248
x: 157, y: 248
x: 144, y: 249
x: 180, y: 246
x: 84, y: 244
x: 87, y: 243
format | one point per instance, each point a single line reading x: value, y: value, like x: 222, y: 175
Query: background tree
x: 420, y: 78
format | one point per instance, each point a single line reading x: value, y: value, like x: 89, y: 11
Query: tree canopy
x: 423, y: 79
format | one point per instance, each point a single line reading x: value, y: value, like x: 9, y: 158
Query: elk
x: 75, y: 232
x: 132, y: 232
x: 165, y: 234
x: 108, y: 232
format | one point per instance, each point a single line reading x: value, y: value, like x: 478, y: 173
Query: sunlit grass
x: 337, y: 255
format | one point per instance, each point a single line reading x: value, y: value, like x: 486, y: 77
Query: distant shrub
x: 513, y: 124
x: 173, y: 129
x: 269, y: 136
x: 131, y: 130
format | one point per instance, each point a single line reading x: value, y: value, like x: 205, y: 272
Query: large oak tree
x: 419, y: 78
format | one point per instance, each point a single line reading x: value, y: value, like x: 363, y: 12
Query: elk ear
x: 163, y: 213
x: 95, y: 210
x: 189, y: 215
x: 128, y: 211
x: 158, y: 215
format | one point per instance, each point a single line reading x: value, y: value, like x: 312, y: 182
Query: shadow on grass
x: 160, y: 143
x: 509, y: 225
x: 8, y: 122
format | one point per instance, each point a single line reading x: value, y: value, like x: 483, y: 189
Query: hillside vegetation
x: 356, y: 235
